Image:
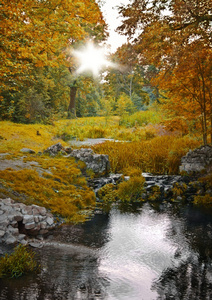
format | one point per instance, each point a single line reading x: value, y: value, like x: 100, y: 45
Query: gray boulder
x: 197, y: 160
x: 54, y: 149
x: 98, y: 163
x: 27, y: 150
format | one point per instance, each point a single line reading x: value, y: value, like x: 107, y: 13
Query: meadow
x: 141, y: 143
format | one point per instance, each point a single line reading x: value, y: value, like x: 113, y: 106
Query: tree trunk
x: 72, y: 103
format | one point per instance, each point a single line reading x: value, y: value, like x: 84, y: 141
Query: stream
x: 133, y: 253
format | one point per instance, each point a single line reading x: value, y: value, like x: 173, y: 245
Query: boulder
x: 27, y: 150
x: 198, y: 160
x: 98, y: 163
x: 54, y: 149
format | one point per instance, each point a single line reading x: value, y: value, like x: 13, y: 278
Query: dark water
x: 143, y: 254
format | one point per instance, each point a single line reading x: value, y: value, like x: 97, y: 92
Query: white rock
x: 28, y: 219
x: 49, y: 221
x: 30, y: 225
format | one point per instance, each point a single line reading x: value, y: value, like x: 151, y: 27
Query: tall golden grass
x: 160, y: 155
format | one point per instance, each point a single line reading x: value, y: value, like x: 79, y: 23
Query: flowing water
x: 144, y: 253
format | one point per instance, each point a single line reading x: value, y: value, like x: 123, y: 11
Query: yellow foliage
x: 155, y: 193
x: 108, y: 193
x: 18, y: 136
x: 160, y: 155
x: 132, y: 189
x: 203, y: 200
x: 61, y: 189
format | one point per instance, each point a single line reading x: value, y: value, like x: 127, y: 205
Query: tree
x: 38, y: 34
x: 127, y: 78
x: 165, y: 33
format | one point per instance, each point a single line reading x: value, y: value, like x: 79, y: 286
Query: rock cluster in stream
x: 18, y: 221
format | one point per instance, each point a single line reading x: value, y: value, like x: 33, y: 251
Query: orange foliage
x: 37, y: 33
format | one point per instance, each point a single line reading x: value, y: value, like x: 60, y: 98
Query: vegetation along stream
x: 145, y: 252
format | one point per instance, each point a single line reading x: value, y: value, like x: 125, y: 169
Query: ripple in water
x: 152, y: 254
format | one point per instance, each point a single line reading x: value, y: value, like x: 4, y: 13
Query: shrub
x: 141, y: 118
x: 132, y: 171
x: 179, y: 190
x: 20, y: 262
x: 131, y: 190
x: 155, y: 193
x: 107, y: 193
x: 203, y: 200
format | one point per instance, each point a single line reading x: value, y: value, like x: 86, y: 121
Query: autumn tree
x: 38, y: 34
x: 175, y: 37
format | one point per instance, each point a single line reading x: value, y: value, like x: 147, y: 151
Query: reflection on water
x: 145, y: 254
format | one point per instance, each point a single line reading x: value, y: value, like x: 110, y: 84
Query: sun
x: 91, y: 59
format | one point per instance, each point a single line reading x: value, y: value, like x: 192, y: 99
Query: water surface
x: 144, y: 253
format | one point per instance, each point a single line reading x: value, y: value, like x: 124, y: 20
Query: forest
x: 166, y: 63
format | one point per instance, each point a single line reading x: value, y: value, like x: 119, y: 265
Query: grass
x: 57, y: 183
x: 59, y: 186
x: 20, y: 262
x: 160, y: 155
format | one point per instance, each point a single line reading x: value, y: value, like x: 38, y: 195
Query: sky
x: 113, y: 20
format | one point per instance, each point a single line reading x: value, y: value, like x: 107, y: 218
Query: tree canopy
x: 175, y: 37
x: 38, y: 33
x: 36, y: 37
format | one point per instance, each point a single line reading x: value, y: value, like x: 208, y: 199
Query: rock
x: 30, y: 225
x: 19, y: 220
x: 28, y: 219
x: 197, y: 160
x: 21, y: 237
x: 54, y: 149
x: 10, y: 240
x: 26, y: 210
x: 27, y: 150
x: 2, y: 233
x: 49, y: 221
x: 98, y: 163
x: 36, y: 244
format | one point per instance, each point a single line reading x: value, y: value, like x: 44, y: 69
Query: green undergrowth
x: 21, y: 262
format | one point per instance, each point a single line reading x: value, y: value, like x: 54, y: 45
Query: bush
x: 131, y: 190
x: 203, y: 200
x: 108, y: 193
x: 20, y: 262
